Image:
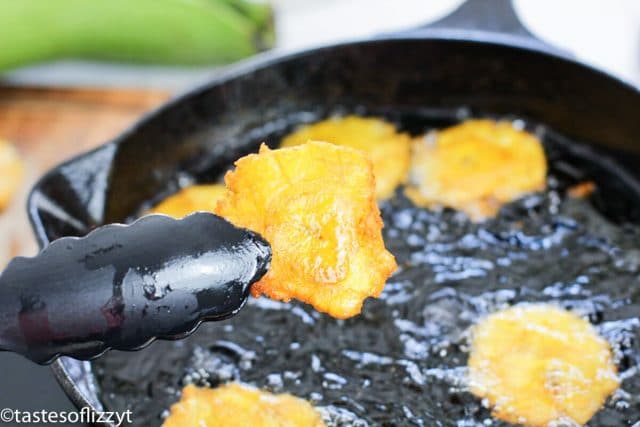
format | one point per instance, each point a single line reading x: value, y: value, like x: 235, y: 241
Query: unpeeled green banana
x: 152, y: 31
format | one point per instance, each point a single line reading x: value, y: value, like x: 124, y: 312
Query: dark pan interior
x: 199, y: 135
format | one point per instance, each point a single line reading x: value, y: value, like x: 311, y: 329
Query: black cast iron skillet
x: 480, y: 57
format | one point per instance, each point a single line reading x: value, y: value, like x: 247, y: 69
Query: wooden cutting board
x: 52, y: 125
x: 49, y: 126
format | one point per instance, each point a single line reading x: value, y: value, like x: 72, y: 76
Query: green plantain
x: 259, y: 12
x: 151, y: 31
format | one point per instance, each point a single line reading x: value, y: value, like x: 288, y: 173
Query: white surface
x: 303, y: 23
x: 605, y: 33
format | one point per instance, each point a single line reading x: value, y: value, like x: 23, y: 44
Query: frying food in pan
x: 538, y: 364
x: 192, y: 199
x: 476, y: 167
x: 315, y: 204
x: 414, y: 338
x: 405, y: 360
x: 387, y: 148
x: 237, y: 405
x: 11, y: 173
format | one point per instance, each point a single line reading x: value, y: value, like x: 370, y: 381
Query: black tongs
x: 122, y: 286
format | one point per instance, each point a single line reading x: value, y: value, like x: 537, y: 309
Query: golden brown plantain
x: 315, y: 204
x: 476, y: 167
x: 191, y: 199
x: 387, y: 148
x: 237, y: 405
x: 11, y: 173
x: 537, y: 363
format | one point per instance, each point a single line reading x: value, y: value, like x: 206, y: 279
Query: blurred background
x: 76, y: 73
x: 605, y: 33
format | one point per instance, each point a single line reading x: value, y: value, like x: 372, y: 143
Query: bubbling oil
x: 402, y: 362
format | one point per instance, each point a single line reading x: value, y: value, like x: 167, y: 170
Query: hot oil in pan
x: 402, y: 362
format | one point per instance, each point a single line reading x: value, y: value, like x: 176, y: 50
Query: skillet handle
x: 493, y: 21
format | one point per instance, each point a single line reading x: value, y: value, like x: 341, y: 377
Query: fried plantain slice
x: 237, y: 405
x: 191, y: 199
x: 315, y: 204
x: 476, y: 167
x: 11, y: 173
x: 582, y: 190
x: 388, y: 149
x: 537, y: 363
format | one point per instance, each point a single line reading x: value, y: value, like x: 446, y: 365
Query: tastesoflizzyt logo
x: 85, y: 415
